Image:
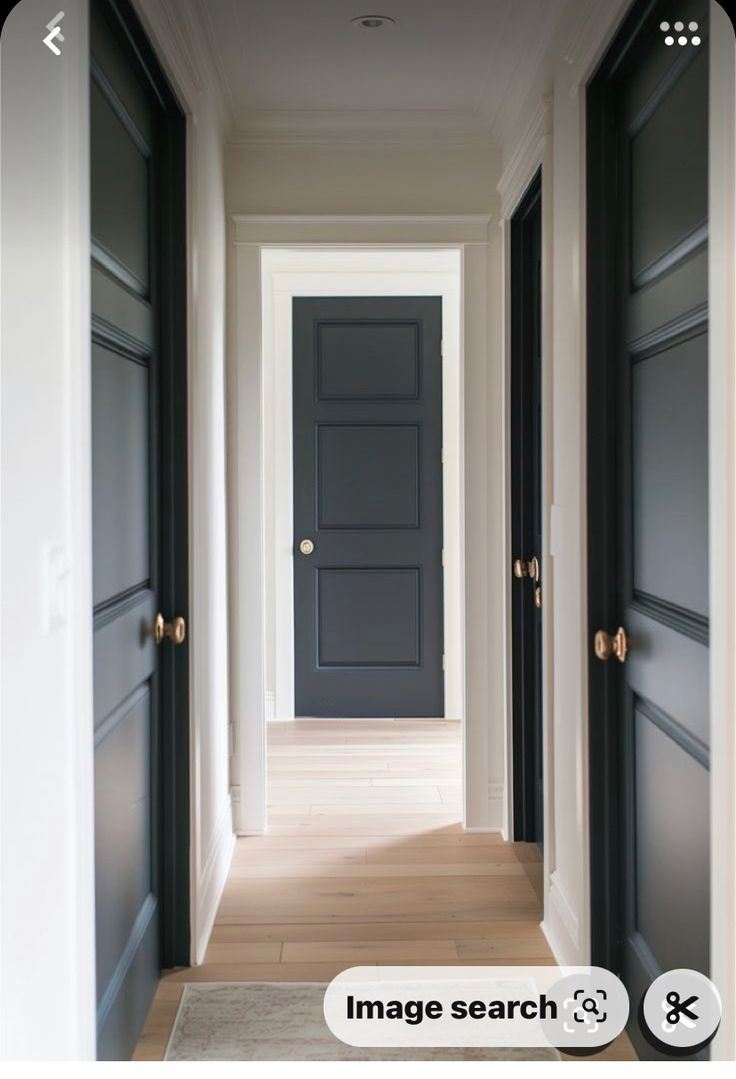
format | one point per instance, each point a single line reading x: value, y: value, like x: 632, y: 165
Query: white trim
x: 526, y: 158
x: 238, y: 828
x: 534, y: 151
x: 286, y: 274
x: 374, y: 129
x: 722, y: 524
x: 215, y: 868
x: 483, y: 737
x: 270, y: 710
x: 271, y: 230
x: 560, y: 925
x: 497, y: 809
x: 591, y: 36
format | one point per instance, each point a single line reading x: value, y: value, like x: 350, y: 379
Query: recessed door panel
x: 119, y: 188
x: 669, y: 407
x: 672, y: 863
x: 120, y: 454
x: 368, y: 360
x: 368, y: 617
x: 669, y: 198
x: 368, y: 476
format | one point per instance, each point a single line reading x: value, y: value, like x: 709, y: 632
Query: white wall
x: 195, y: 81
x: 380, y: 178
x: 722, y: 497
x: 47, y: 973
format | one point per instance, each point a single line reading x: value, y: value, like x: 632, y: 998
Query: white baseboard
x: 561, y: 926
x: 270, y: 703
x: 494, y: 815
x: 496, y: 806
x: 241, y: 827
x: 212, y: 880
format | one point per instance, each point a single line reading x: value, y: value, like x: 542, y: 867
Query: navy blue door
x: 648, y: 486
x: 368, y: 506
x: 139, y: 504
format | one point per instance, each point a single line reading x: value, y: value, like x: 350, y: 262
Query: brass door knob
x: 527, y: 569
x: 606, y: 645
x: 306, y: 546
x: 175, y: 630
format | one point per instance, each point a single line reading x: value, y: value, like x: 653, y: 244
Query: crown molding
x: 216, y: 60
x: 406, y: 140
x: 526, y: 157
x: 179, y: 36
x: 363, y: 127
x: 400, y: 229
x: 592, y: 30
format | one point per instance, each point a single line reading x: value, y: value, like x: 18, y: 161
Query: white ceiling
x: 299, y: 69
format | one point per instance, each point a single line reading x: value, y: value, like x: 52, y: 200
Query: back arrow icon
x: 54, y: 32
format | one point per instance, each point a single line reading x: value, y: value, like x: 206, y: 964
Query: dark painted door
x: 526, y: 512
x: 368, y: 498
x: 135, y: 504
x: 652, y: 101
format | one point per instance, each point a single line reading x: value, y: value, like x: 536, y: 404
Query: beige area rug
x: 284, y: 1021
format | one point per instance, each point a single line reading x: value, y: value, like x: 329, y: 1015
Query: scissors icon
x: 680, y: 1009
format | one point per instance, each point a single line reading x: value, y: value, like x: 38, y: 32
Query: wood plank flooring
x: 365, y: 861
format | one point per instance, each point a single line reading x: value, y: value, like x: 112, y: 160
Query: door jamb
x: 306, y: 272
x: 533, y: 154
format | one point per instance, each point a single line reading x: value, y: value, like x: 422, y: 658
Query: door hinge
x: 442, y: 455
x: 443, y: 661
x: 230, y: 740
x: 442, y: 347
x: 443, y: 557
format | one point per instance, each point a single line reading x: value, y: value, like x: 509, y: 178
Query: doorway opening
x: 364, y: 430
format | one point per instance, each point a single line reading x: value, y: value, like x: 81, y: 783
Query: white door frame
x: 533, y: 152
x: 325, y: 272
x: 481, y: 491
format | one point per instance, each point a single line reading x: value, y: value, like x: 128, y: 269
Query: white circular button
x: 681, y: 1012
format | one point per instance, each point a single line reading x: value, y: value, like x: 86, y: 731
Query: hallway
x: 365, y: 862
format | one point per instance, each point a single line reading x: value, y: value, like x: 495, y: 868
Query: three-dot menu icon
x: 678, y: 32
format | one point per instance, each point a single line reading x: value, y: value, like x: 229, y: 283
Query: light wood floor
x: 365, y: 862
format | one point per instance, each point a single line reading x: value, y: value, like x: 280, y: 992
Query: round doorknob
x: 527, y: 569
x: 306, y: 546
x: 175, y: 630
x: 606, y: 645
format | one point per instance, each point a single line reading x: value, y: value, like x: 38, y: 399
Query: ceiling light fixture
x: 372, y: 22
